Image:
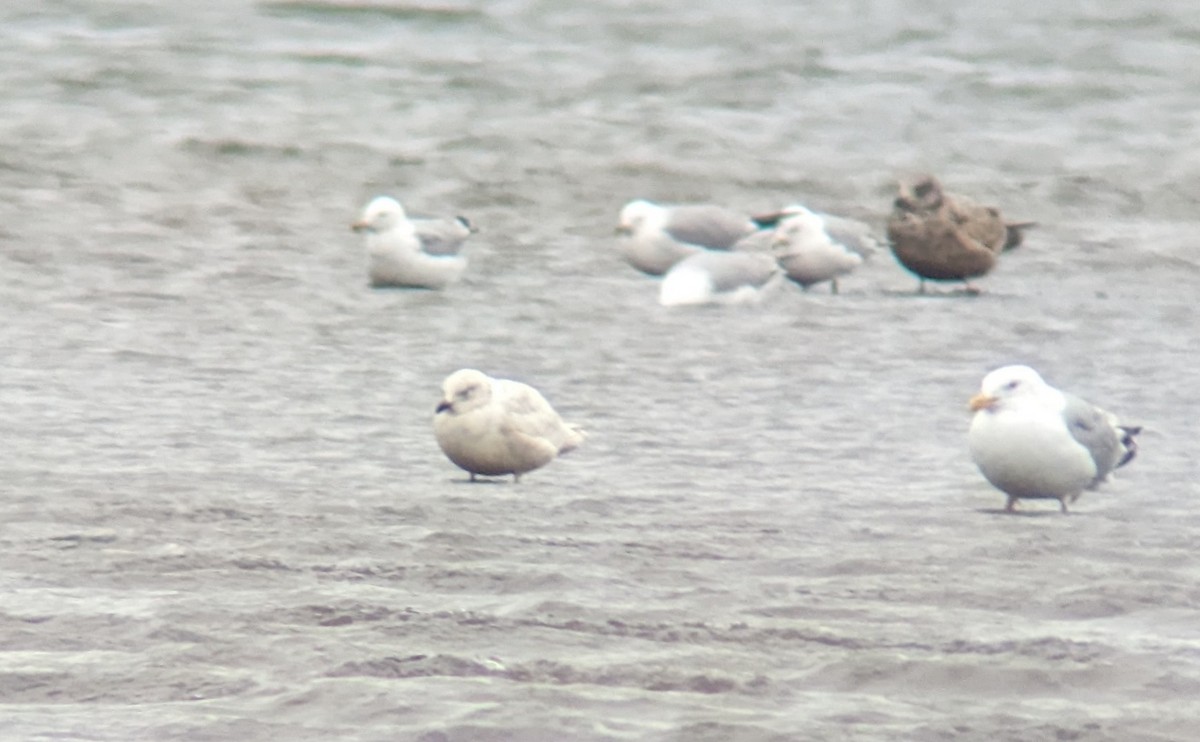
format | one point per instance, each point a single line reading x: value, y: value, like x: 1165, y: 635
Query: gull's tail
x: 1014, y: 234
x: 1128, y: 444
x: 575, y: 436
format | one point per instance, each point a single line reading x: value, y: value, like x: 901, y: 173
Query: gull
x: 652, y: 238
x: 939, y: 236
x: 1032, y: 441
x: 396, y: 247
x: 812, y: 248
x: 710, y: 277
x: 498, y: 426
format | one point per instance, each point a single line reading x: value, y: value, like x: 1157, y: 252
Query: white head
x: 798, y: 226
x: 382, y: 214
x: 464, y: 390
x: 639, y: 215
x: 1013, y: 386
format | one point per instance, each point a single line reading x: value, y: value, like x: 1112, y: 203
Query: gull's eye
x: 1012, y: 385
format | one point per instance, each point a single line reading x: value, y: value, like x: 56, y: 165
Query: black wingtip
x: 1128, y: 443
x: 768, y: 221
x: 1015, y: 233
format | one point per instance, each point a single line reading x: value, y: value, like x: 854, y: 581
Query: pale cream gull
x: 494, y: 427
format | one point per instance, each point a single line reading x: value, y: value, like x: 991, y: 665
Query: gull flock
x: 1028, y: 439
x: 935, y: 235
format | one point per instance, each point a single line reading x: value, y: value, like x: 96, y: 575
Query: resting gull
x: 498, y: 426
x: 652, y: 238
x: 1032, y: 441
x: 397, y: 246
x: 812, y: 247
x: 711, y: 277
x: 939, y: 236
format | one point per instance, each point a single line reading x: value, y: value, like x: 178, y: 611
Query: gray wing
x: 855, y: 235
x: 756, y: 241
x: 714, y: 227
x: 442, y: 236
x: 732, y: 270
x: 1093, y: 429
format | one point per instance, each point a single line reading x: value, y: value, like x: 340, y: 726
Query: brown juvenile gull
x: 652, y: 237
x: 1032, y: 441
x: 403, y: 252
x: 498, y: 426
x: 944, y: 237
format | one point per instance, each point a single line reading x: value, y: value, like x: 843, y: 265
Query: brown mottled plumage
x: 945, y: 237
x: 936, y: 249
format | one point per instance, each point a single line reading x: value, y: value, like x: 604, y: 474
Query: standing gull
x: 652, y: 238
x: 497, y: 426
x: 1032, y: 441
x: 710, y: 277
x: 939, y: 236
x: 401, y: 252
x: 812, y: 248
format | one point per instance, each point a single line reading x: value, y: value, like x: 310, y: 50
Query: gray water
x: 223, y: 515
